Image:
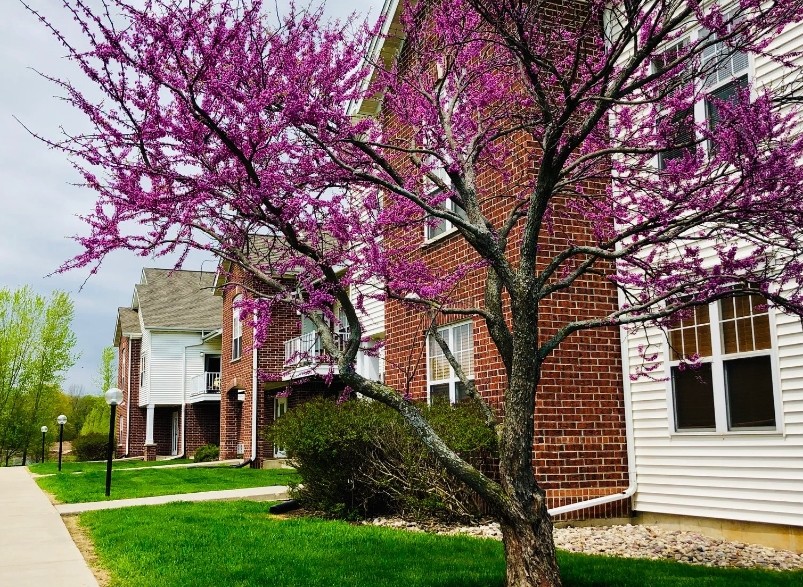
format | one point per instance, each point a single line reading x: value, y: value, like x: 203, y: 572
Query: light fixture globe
x: 62, y: 419
x: 44, y: 429
x: 114, y: 396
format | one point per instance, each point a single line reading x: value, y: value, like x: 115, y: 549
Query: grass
x: 239, y: 544
x: 91, y: 485
x: 81, y: 467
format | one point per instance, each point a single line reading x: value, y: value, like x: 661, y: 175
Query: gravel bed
x: 652, y: 542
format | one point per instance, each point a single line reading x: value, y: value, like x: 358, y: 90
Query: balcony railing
x: 208, y: 382
x: 307, y: 349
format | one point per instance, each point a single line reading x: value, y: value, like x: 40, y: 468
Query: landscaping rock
x: 628, y: 541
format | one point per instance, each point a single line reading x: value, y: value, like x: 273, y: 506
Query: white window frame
x: 279, y: 452
x: 448, y: 204
x: 236, y: 329
x: 717, y: 360
x: 143, y: 364
x: 448, y: 334
x: 700, y: 106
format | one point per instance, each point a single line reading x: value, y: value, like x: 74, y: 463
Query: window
x: 434, y: 228
x: 236, y: 329
x: 443, y: 384
x: 681, y: 123
x: 734, y: 386
x: 279, y: 410
x: 143, y: 360
x: 727, y: 73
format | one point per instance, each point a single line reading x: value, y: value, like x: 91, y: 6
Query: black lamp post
x: 44, y: 431
x: 62, y: 420
x: 113, y: 397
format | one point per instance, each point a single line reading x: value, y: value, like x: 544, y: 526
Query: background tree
x: 36, y: 348
x: 76, y: 405
x: 107, y: 371
x: 97, y: 418
x: 217, y: 123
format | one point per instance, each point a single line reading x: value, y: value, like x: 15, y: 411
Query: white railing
x: 307, y: 348
x: 208, y: 382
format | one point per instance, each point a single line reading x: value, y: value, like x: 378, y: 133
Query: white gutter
x: 631, y: 449
x: 375, y: 50
x: 183, y: 402
x: 254, y: 352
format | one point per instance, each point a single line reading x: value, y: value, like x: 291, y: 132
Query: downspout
x: 183, y: 402
x: 631, y: 449
x: 254, y: 352
x: 128, y: 401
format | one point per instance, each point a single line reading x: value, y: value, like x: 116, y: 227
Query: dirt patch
x: 84, y: 543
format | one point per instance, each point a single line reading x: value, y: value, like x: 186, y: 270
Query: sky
x: 41, y: 204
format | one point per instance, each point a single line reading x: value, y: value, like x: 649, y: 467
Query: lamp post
x: 44, y: 431
x: 62, y: 420
x: 113, y: 397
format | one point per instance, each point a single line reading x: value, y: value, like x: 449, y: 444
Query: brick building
x: 260, y: 384
x: 580, y: 450
x: 168, y: 343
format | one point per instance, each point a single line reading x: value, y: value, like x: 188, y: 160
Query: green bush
x: 360, y: 459
x: 91, y: 447
x: 206, y: 453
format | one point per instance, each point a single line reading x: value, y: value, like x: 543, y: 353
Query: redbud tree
x: 218, y: 121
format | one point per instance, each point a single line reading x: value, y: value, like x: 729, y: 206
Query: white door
x: 174, y: 443
x: 279, y: 410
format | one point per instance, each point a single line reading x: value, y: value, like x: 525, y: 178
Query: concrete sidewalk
x: 272, y: 493
x: 35, y: 547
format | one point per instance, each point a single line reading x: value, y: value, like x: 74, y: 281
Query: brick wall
x: 134, y: 421
x: 236, y: 416
x: 202, y: 425
x: 163, y: 429
x: 580, y: 448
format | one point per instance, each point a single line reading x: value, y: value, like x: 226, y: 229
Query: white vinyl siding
x: 372, y: 314
x: 740, y: 475
x: 749, y: 475
x: 166, y: 352
x: 144, y: 387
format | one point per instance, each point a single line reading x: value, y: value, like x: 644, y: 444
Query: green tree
x: 36, y: 349
x: 97, y: 418
x: 107, y: 372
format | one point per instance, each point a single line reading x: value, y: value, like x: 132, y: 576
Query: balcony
x: 205, y: 386
x: 304, y: 356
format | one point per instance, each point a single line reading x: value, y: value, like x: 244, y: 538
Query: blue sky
x: 39, y: 203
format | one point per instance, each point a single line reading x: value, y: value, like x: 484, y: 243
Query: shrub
x: 360, y: 459
x: 206, y: 453
x: 91, y: 447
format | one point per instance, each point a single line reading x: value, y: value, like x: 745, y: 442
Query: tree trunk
x: 530, y: 551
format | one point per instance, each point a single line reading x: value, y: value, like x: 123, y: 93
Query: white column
x: 149, y: 424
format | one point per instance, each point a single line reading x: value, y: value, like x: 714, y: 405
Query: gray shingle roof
x: 129, y: 321
x: 179, y: 299
x: 127, y: 324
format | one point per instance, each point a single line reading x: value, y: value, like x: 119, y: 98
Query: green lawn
x: 79, y: 467
x: 239, y: 544
x: 91, y: 485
